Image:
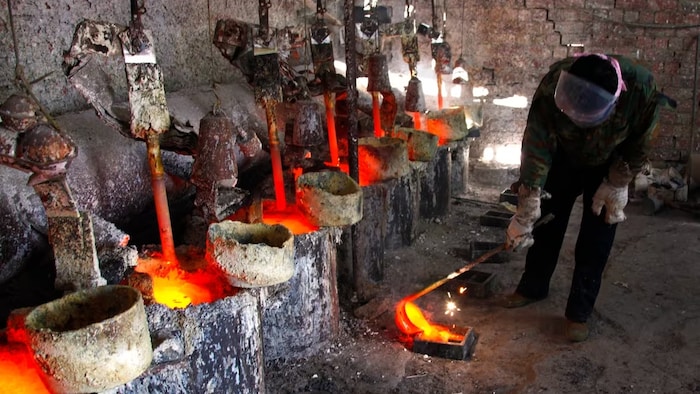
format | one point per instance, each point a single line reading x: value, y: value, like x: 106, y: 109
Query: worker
x: 588, y: 132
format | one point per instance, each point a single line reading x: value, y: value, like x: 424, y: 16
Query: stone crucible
x: 90, y: 340
x: 422, y: 146
x: 449, y: 124
x: 251, y: 254
x: 329, y: 198
x: 382, y: 159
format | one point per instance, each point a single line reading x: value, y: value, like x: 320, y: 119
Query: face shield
x: 585, y: 103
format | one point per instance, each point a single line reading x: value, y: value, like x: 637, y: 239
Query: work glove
x: 613, y: 198
x: 519, y: 231
x: 612, y: 193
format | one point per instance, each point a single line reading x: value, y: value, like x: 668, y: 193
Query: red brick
x: 630, y: 16
x: 569, y: 3
x: 533, y: 15
x: 538, y: 3
x: 598, y: 4
x: 568, y: 15
x: 678, y: 44
x: 571, y: 27
x: 632, y: 4
x: 669, y: 17
x: 646, y: 16
x: 666, y: 4
x: 654, y: 5
x: 683, y: 118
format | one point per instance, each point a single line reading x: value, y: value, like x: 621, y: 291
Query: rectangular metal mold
x: 478, y: 284
x: 495, y: 219
x: 451, y: 350
x: 508, y: 196
x: 478, y: 248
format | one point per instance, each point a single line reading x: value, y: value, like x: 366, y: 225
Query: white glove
x: 519, y: 231
x: 518, y: 235
x: 613, y: 198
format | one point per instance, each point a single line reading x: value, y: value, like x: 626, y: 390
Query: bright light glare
x: 456, y: 91
x: 340, y: 67
x: 515, y: 101
x: 480, y: 91
x: 508, y: 154
x: 502, y: 154
x: 488, y: 154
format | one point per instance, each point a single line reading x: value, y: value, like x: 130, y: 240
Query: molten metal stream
x: 416, y: 120
x: 160, y: 198
x: 330, y: 120
x: 378, y: 132
x: 439, y: 88
x: 409, y: 318
x: 277, y: 176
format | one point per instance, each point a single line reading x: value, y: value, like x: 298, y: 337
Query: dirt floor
x: 645, y: 330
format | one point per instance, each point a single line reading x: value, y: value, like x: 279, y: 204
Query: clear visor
x: 585, y: 103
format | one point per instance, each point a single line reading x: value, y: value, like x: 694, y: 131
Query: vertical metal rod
x: 351, y: 78
x: 353, y: 162
x: 438, y: 79
x: 275, y: 156
x: 416, y: 120
x: 330, y: 120
x: 376, y: 116
x: 160, y: 197
x: 694, y: 112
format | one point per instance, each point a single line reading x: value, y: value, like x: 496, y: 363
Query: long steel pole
x: 353, y: 161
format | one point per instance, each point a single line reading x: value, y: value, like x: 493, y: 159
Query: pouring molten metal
x: 290, y: 217
x: 411, y: 321
x: 177, y: 287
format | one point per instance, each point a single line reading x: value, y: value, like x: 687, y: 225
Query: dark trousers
x: 595, y: 239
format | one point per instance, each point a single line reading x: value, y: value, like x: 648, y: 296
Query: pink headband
x: 620, y: 82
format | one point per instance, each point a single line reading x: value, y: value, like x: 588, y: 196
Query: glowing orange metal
x: 160, y: 197
x: 19, y: 372
x: 297, y: 171
x: 368, y: 167
x: 409, y: 318
x: 332, y: 137
x: 178, y: 288
x: 275, y: 156
x: 416, y: 120
x: 411, y: 321
x: 291, y: 217
x: 439, y: 89
x: 376, y: 116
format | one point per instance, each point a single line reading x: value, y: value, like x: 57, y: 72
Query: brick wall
x: 517, y: 40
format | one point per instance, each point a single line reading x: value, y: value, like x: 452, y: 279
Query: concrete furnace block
x: 302, y: 315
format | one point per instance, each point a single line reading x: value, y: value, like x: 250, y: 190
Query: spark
x: 451, y: 306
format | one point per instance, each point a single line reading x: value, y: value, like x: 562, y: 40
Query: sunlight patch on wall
x: 515, y: 101
x: 506, y: 154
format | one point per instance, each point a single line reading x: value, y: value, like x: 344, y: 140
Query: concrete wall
x: 507, y: 44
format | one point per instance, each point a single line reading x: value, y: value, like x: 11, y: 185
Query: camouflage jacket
x: 625, y: 135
